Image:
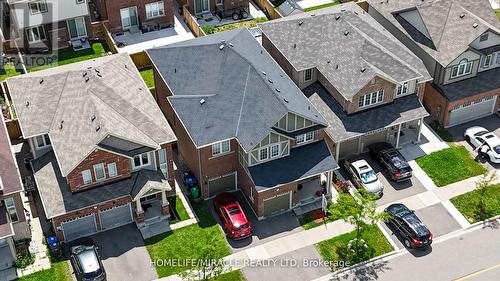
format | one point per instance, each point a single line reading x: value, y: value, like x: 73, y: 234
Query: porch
x: 152, y: 212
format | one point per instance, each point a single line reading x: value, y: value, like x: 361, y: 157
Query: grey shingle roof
x: 10, y: 179
x: 343, y: 127
x: 289, y: 7
x: 244, y: 90
x: 318, y: 39
x: 57, y: 198
x: 109, y: 88
x: 450, y: 34
x: 484, y: 82
x: 303, y: 162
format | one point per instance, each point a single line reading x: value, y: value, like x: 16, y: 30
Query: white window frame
x: 41, y: 34
x: 218, y: 2
x: 45, y: 139
x: 141, y: 164
x: 463, y: 68
x: 488, y: 59
x: 112, y: 165
x: 80, y: 1
x: 10, y: 205
x: 273, y: 146
x: 99, y: 166
x: 82, y: 20
x: 41, y: 7
x: 220, y: 149
x: 371, y: 99
x: 304, y: 138
x: 308, y: 74
x: 155, y: 9
x: 86, y: 174
x: 266, y: 149
x: 403, y: 89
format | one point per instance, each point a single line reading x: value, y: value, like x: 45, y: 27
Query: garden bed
x: 242, y: 24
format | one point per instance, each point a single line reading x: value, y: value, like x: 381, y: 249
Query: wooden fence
x: 191, y: 22
x: 268, y: 9
x: 141, y: 60
x: 100, y: 30
x: 13, y: 129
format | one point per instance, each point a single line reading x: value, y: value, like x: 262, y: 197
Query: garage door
x: 80, y: 227
x: 373, y: 138
x: 348, y: 147
x: 224, y: 183
x: 277, y: 204
x: 474, y: 110
x: 6, y: 257
x: 115, y: 217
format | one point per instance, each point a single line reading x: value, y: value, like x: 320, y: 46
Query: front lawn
x: 185, y: 243
x: 497, y: 11
x: 60, y: 271
x: 468, y: 204
x: 450, y: 165
x: 242, y: 24
x: 180, y: 212
x: 235, y: 275
x: 148, y: 77
x: 321, y: 6
x: 8, y: 70
x: 336, y: 249
x: 68, y: 55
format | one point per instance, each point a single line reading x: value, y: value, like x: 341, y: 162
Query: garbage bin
x: 195, y: 192
x: 54, y: 246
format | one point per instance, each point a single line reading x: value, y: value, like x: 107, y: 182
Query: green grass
x: 68, y: 55
x: 450, y: 165
x: 60, y: 271
x: 235, y: 275
x: 180, y: 212
x: 468, y: 204
x: 497, y: 11
x: 335, y: 249
x: 321, y: 6
x: 248, y: 24
x: 8, y: 70
x: 442, y: 132
x: 148, y: 77
x: 185, y: 243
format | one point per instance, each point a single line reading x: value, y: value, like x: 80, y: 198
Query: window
x: 42, y: 141
x: 263, y: 154
x: 487, y: 60
x: 308, y: 74
x: 307, y: 137
x: 371, y: 99
x: 221, y: 147
x: 99, y: 172
x: 77, y: 28
x: 38, y: 7
x: 112, y: 169
x: 11, y: 209
x: 402, y: 89
x: 87, y: 177
x: 80, y: 1
x: 218, y: 2
x: 154, y: 10
x: 141, y: 160
x: 483, y: 37
x: 463, y: 68
x: 275, y: 150
x: 35, y: 34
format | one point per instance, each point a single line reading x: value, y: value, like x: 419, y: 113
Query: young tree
x: 209, y: 264
x: 482, y: 186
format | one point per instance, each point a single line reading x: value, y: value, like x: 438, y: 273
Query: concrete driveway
x: 124, y: 255
x: 296, y: 265
x: 263, y: 230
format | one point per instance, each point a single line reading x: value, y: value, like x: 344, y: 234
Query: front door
x: 202, y: 6
x: 129, y: 17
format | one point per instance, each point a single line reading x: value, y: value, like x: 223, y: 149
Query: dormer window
x: 42, y: 141
x: 402, y: 89
x: 308, y: 74
x: 487, y: 60
x: 463, y: 68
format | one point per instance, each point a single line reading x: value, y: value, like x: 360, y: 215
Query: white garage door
x: 80, y: 227
x: 115, y: 217
x: 6, y: 257
x: 220, y: 184
x: 474, y: 110
x: 277, y: 204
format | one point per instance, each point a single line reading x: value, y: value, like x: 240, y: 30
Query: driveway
x: 263, y: 230
x: 124, y: 255
x: 491, y: 123
x: 393, y: 191
x: 297, y: 265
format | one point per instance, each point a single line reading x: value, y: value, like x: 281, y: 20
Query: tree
x: 209, y: 265
x: 360, y: 211
x: 482, y: 185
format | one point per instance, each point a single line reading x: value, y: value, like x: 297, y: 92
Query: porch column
x: 332, y: 191
x: 399, y: 134
x: 420, y: 129
x: 139, y: 206
x: 165, y: 207
x: 337, y: 151
x: 164, y: 201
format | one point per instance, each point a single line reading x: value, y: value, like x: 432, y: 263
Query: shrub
x: 23, y: 260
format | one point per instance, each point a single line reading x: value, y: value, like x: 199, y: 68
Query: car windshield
x: 368, y: 176
x: 234, y: 210
x: 480, y: 133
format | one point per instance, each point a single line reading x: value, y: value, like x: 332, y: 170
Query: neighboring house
x: 459, y: 43
x: 365, y: 83
x: 47, y: 24
x: 102, y: 149
x: 241, y: 122
x: 144, y: 15
x: 13, y: 224
x: 222, y: 8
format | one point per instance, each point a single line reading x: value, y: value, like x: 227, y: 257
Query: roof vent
x: 41, y: 81
x: 328, y: 61
x: 312, y: 15
x: 87, y: 79
x: 363, y: 69
x: 301, y: 23
x: 337, y: 17
x: 97, y: 70
x: 286, y: 100
x: 264, y: 73
x: 294, y: 45
x: 125, y: 66
x: 99, y: 74
x: 231, y: 45
x: 92, y: 118
x: 27, y: 103
x: 308, y: 107
x: 61, y: 125
x: 85, y: 74
x: 221, y: 47
x: 356, y: 13
x: 462, y: 15
x: 202, y: 101
x: 270, y: 81
x: 337, y: 66
x: 474, y: 25
x: 97, y: 128
x: 175, y: 70
x: 346, y: 32
x: 278, y: 90
x: 261, y: 51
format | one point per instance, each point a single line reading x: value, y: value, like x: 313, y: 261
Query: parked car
x: 364, y: 177
x: 234, y: 221
x: 414, y: 233
x: 87, y: 263
x: 477, y: 136
x: 391, y: 160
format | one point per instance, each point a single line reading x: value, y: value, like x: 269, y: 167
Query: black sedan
x: 413, y: 232
x: 86, y: 262
x: 391, y: 160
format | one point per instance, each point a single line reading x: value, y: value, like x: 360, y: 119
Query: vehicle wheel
x: 407, y: 243
x: 244, y: 14
x: 235, y: 16
x: 467, y: 139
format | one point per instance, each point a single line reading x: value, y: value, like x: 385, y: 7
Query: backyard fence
x: 191, y: 22
x: 13, y: 129
x: 100, y: 30
x: 141, y: 60
x: 268, y: 9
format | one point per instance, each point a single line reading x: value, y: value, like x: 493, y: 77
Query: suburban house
x: 459, y: 43
x: 41, y: 25
x: 101, y: 148
x: 364, y: 82
x: 134, y: 15
x: 221, y: 8
x: 241, y: 122
x: 13, y: 223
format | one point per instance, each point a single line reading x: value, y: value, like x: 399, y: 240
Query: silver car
x: 87, y: 263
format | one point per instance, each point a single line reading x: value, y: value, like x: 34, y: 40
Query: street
x: 473, y: 255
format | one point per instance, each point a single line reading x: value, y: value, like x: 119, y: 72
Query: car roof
x: 492, y: 139
x: 361, y: 165
x: 416, y: 224
x: 87, y: 258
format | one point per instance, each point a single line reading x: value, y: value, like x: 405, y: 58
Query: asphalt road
x: 469, y: 256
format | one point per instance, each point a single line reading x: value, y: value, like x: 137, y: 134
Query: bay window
x: 463, y: 68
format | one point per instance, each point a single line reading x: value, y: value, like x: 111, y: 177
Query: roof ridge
x: 59, y: 100
x: 243, y: 101
x: 480, y: 19
x: 445, y: 24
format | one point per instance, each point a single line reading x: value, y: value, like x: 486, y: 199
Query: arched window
x: 464, y: 67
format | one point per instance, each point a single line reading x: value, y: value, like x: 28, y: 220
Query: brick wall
x: 170, y: 163
x: 75, y: 179
x: 275, y: 191
x: 375, y: 85
x: 435, y: 103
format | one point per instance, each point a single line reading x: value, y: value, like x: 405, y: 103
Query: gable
x: 292, y: 122
x: 468, y: 55
x: 413, y: 17
x: 493, y: 39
